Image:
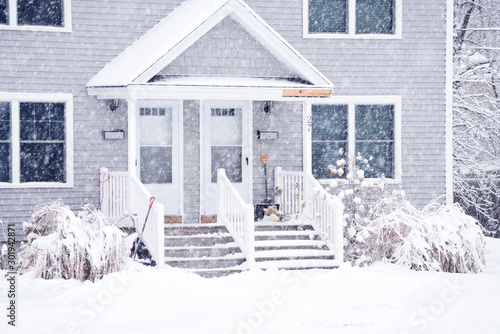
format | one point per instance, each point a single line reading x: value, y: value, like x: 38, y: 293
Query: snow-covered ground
x: 382, y: 298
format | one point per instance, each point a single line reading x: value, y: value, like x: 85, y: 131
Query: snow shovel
x: 259, y: 208
x: 139, y: 248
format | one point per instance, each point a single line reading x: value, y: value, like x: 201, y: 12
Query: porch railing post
x: 278, y: 183
x: 104, y: 191
x: 250, y: 234
x: 160, y: 233
x: 221, y: 173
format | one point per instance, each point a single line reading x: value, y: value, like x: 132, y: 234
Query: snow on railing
x: 302, y: 193
x: 236, y: 215
x: 122, y: 193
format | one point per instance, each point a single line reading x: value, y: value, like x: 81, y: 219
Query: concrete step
x: 221, y: 262
x: 284, y: 254
x: 289, y: 244
x: 299, y: 264
x: 203, y: 251
x: 198, y: 240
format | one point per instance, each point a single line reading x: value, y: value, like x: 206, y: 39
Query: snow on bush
x: 436, y: 238
x: 63, y: 245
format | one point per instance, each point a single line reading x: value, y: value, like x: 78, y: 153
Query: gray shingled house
x: 113, y: 102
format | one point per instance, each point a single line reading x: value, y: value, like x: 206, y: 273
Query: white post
x: 278, y: 183
x: 159, y: 216
x: 249, y: 235
x: 221, y: 173
x: 104, y: 191
x: 338, y: 230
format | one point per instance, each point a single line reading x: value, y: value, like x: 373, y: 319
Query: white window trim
x: 12, y: 20
x: 351, y: 24
x: 15, y: 99
x: 351, y: 102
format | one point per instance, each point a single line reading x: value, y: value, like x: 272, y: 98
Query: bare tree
x: 476, y: 111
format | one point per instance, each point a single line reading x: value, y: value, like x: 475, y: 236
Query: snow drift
x: 84, y: 247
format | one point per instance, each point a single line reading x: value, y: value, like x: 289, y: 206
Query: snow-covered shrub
x: 436, y: 238
x: 63, y: 245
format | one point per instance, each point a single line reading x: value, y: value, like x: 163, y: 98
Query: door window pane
x: 327, y: 16
x: 42, y: 162
x: 229, y: 158
x: 40, y: 12
x: 4, y: 121
x: 226, y: 126
x: 374, y: 16
x: 4, y: 13
x: 156, y: 129
x: 156, y: 164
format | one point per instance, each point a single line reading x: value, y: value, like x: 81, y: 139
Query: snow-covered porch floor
x: 382, y: 298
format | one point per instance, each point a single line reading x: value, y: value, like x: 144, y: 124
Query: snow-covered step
x: 202, y: 251
x: 212, y: 262
x: 288, y: 243
x: 292, y: 254
x: 299, y: 264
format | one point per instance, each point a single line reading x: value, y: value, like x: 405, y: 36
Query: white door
x: 227, y: 128
x: 158, y: 151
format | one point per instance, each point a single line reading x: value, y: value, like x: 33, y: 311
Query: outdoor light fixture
x: 268, y: 106
x: 113, y: 105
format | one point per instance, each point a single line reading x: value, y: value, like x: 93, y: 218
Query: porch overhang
x: 215, y: 88
x: 133, y: 73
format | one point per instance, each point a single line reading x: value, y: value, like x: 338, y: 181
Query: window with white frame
x: 342, y: 131
x: 35, y: 140
x: 352, y: 18
x: 35, y: 14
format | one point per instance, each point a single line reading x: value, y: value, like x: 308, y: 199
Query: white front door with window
x: 158, y: 161
x: 226, y: 143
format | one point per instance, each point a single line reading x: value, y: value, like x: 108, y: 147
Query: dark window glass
x: 374, y: 122
x: 40, y: 12
x: 4, y: 12
x: 327, y: 16
x: 5, y: 121
x: 329, y: 135
x: 5, y: 145
x: 229, y: 158
x: 42, y: 121
x: 325, y: 154
x: 42, y: 135
x: 156, y: 164
x: 375, y: 138
x: 329, y: 122
x: 374, y: 16
x: 383, y: 158
x: 43, y: 162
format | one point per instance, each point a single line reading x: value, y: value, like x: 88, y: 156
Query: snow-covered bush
x: 63, y: 245
x: 436, y: 238
x: 381, y: 225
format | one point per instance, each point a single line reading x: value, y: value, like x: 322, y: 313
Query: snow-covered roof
x: 185, y: 25
x: 229, y: 81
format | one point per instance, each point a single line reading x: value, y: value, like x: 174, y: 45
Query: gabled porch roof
x: 133, y: 70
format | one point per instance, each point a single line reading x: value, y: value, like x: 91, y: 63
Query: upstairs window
x: 352, y: 18
x: 35, y: 14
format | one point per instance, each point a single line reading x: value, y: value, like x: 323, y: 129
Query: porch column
x: 132, y: 136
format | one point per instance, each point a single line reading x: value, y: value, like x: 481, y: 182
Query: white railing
x: 302, y: 193
x: 122, y: 193
x: 236, y: 215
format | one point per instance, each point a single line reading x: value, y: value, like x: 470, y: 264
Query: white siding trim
x: 449, y: 103
x: 15, y: 98
x: 67, y: 27
x: 351, y: 23
x: 351, y: 101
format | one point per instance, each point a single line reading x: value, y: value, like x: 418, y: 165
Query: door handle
x: 247, y: 161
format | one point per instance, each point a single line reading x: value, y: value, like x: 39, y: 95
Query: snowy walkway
x: 379, y: 299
